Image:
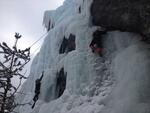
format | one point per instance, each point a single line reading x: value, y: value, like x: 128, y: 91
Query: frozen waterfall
x: 76, y: 80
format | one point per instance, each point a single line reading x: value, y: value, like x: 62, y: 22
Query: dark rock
x: 67, y: 44
x: 124, y: 15
x: 60, y: 82
x: 49, y: 24
x: 63, y: 46
x: 80, y: 9
x: 71, y: 43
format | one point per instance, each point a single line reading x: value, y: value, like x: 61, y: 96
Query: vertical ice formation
x: 79, y: 81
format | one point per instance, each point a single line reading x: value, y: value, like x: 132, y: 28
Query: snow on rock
x: 114, y: 83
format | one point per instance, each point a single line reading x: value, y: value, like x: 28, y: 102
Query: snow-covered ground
x: 118, y: 82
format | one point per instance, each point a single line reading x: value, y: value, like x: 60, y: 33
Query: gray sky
x: 25, y: 17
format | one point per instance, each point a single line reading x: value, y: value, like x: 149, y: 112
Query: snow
x: 131, y: 68
x: 114, y: 83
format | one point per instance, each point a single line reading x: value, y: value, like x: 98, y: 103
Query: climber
x: 97, y: 49
x: 37, y: 89
x: 96, y: 44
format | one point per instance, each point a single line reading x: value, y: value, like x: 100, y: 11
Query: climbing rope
x: 38, y: 40
x: 35, y: 51
x: 41, y: 37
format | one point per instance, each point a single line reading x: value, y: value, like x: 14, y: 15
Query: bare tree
x: 12, y: 63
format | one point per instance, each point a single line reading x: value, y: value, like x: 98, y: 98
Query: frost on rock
x: 76, y: 80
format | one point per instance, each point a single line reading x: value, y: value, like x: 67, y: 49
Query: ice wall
x: 118, y: 82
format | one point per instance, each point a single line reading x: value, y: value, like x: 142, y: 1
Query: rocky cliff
x: 124, y: 15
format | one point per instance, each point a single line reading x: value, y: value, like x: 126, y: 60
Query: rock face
x: 60, y: 82
x: 68, y: 45
x: 124, y: 15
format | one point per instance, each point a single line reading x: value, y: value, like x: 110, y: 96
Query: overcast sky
x: 25, y: 17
